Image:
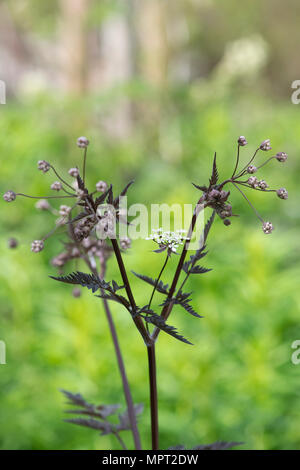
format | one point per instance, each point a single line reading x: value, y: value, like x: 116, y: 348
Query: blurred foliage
x: 237, y: 382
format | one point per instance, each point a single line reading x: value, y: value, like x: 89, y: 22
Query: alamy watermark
x: 295, y: 358
x: 295, y: 98
x: 170, y: 222
x: 2, y: 92
x: 2, y: 352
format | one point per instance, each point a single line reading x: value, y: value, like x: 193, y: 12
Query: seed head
x: 82, y: 142
x: 74, y: 172
x: 251, y: 169
x: 37, y: 246
x: 242, y: 141
x: 101, y: 186
x: 42, y: 205
x: 56, y: 186
x: 282, y: 193
x: 262, y: 184
x: 9, y: 196
x: 265, y: 145
x: 253, y: 181
x: 281, y: 157
x: 125, y: 243
x: 43, y: 166
x: 12, y: 243
x: 267, y: 227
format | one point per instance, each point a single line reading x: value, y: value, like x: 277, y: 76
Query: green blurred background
x: 157, y: 86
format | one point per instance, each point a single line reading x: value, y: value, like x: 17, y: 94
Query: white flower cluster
x: 170, y: 240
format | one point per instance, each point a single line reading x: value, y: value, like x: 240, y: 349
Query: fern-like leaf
x: 86, y: 280
x: 158, y: 321
x: 215, y: 175
x: 161, y: 287
x: 122, y: 194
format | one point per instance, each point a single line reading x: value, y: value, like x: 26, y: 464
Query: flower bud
x: 251, y: 169
x: 9, y: 196
x: 101, y: 186
x: 282, y: 193
x: 82, y: 142
x: 227, y: 222
x: 224, y: 195
x: 56, y: 186
x: 281, y: 157
x: 37, y: 246
x: 265, y: 145
x: 12, y: 243
x: 214, y: 194
x: 64, y: 211
x: 74, y: 172
x: 76, y: 292
x: 125, y: 243
x: 262, y: 184
x: 43, y: 166
x: 242, y: 141
x: 42, y: 205
x: 267, y: 227
x: 253, y: 181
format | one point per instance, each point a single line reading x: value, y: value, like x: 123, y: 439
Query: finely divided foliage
x: 89, y: 211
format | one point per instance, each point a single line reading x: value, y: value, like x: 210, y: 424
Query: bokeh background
x: 157, y: 86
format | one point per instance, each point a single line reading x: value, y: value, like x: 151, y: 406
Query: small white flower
x: 168, y: 240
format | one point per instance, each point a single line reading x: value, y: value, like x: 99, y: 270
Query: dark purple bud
x: 12, y: 243
x: 214, y: 194
x: 43, y: 166
x: 224, y: 195
x: 265, y: 145
x: 253, y: 181
x: 242, y: 141
x: 82, y: 142
x: 9, y: 196
x: 267, y: 227
x: 282, y: 193
x: 251, y: 169
x: 56, y: 186
x: 37, y: 246
x: 262, y: 184
x: 227, y: 222
x: 281, y: 156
